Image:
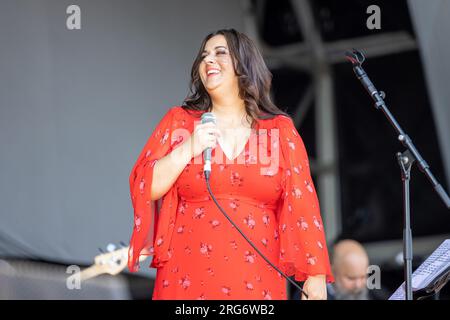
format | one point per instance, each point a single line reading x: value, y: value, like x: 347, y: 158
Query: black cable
x: 248, y: 240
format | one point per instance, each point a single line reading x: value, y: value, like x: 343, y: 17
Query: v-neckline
x: 242, y: 150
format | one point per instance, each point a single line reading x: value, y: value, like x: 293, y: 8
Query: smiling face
x: 216, y: 69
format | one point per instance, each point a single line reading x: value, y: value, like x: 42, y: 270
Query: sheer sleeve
x: 145, y: 210
x: 303, y: 249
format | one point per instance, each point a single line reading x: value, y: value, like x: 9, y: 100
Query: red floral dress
x: 266, y: 190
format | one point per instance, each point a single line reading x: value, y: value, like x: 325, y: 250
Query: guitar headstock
x: 114, y: 260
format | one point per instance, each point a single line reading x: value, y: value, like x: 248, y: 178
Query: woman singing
x: 260, y: 175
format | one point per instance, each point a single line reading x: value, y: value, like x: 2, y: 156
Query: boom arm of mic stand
x: 357, y: 58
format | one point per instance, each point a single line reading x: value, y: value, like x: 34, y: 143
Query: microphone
x: 207, y: 117
x: 357, y: 58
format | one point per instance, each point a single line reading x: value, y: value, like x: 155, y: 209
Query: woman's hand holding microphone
x: 205, y: 135
x: 168, y: 168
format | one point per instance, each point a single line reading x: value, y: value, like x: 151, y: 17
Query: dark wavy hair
x: 254, y: 78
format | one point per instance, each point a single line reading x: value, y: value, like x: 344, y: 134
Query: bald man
x: 349, y: 263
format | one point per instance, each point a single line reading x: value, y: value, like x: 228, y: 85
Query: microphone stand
x: 405, y: 159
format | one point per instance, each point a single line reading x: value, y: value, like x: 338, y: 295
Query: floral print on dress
x: 214, y: 223
x: 185, y: 282
x: 250, y: 221
x: 205, y: 249
x: 199, y: 213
